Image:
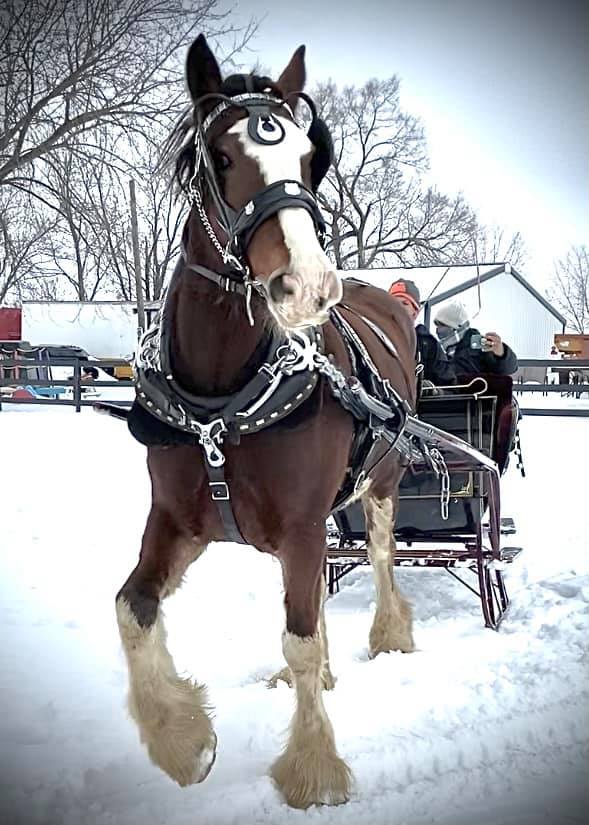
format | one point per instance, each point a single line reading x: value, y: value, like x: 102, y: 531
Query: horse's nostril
x: 321, y: 303
x: 275, y: 289
x: 280, y: 287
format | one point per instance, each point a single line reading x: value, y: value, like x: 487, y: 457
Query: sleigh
x: 449, y: 511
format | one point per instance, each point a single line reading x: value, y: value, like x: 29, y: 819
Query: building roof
x: 439, y: 283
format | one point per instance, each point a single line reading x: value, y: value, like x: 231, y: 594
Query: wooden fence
x: 577, y: 372
x: 16, y: 373
x: 575, y: 368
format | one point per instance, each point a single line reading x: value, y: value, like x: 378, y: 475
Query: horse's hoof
x: 204, y: 763
x: 328, y: 680
x: 390, y: 642
x: 184, y: 758
x: 312, y: 778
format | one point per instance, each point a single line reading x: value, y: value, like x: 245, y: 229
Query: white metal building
x: 105, y: 329
x: 509, y: 305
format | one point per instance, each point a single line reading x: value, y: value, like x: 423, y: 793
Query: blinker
x: 263, y: 127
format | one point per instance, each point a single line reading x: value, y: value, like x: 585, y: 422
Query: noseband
x: 239, y: 226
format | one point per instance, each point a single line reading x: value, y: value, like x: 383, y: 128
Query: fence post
x: 77, y: 385
x: 137, y: 261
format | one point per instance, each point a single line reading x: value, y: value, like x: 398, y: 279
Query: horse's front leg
x: 172, y: 713
x: 309, y: 771
x: 392, y: 625
x: 328, y: 680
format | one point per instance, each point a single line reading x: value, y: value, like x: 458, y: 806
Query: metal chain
x: 195, y: 198
x: 194, y: 195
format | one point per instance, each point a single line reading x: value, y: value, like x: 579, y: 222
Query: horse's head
x: 254, y: 175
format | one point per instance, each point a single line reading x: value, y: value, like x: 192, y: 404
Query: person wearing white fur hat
x: 470, y: 352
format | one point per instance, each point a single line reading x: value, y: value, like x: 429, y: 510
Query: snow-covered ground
x: 475, y: 728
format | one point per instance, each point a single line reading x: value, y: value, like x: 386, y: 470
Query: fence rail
x: 578, y: 367
x: 554, y: 363
x: 577, y: 372
x: 75, y: 382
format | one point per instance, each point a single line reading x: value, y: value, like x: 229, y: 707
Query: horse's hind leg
x: 309, y: 771
x: 171, y: 712
x: 391, y: 628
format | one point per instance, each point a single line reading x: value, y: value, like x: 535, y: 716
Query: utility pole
x: 137, y: 261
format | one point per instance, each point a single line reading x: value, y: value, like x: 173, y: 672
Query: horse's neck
x: 212, y: 341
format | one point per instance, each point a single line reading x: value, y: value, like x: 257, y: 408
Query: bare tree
x: 93, y: 253
x: 78, y: 190
x: 24, y: 233
x: 495, y: 244
x: 570, y: 288
x: 67, y: 66
x: 378, y: 209
x: 161, y: 216
x: 79, y: 81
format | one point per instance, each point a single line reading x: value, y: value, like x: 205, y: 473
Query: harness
x: 165, y: 414
x: 291, y: 364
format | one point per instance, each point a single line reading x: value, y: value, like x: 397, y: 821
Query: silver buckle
x: 219, y: 490
x: 209, y: 436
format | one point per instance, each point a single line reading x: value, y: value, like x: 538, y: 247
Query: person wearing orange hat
x: 436, y: 365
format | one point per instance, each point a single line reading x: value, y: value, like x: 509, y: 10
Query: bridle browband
x: 239, y: 226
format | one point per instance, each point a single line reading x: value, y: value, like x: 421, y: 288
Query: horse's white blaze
x: 391, y: 628
x: 282, y: 161
x: 170, y: 712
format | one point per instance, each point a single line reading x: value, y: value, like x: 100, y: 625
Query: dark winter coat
x: 436, y: 366
x: 468, y: 361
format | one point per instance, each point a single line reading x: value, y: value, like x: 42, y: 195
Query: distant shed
x: 509, y: 304
x: 105, y: 329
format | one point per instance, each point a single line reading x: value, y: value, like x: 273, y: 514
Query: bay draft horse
x: 284, y: 479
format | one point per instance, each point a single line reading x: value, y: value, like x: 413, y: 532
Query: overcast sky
x: 501, y: 86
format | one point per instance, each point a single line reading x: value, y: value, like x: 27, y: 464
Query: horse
x: 253, y: 278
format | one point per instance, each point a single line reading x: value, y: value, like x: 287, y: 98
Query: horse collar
x: 284, y: 381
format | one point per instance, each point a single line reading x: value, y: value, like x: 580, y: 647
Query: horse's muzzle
x: 301, y: 299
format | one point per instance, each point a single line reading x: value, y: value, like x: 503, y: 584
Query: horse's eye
x: 222, y: 162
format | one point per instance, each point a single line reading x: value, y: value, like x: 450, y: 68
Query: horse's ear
x: 202, y: 70
x: 293, y: 77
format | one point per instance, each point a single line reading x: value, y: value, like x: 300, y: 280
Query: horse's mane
x: 178, y: 150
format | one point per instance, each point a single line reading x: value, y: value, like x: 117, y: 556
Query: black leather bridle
x: 239, y: 226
